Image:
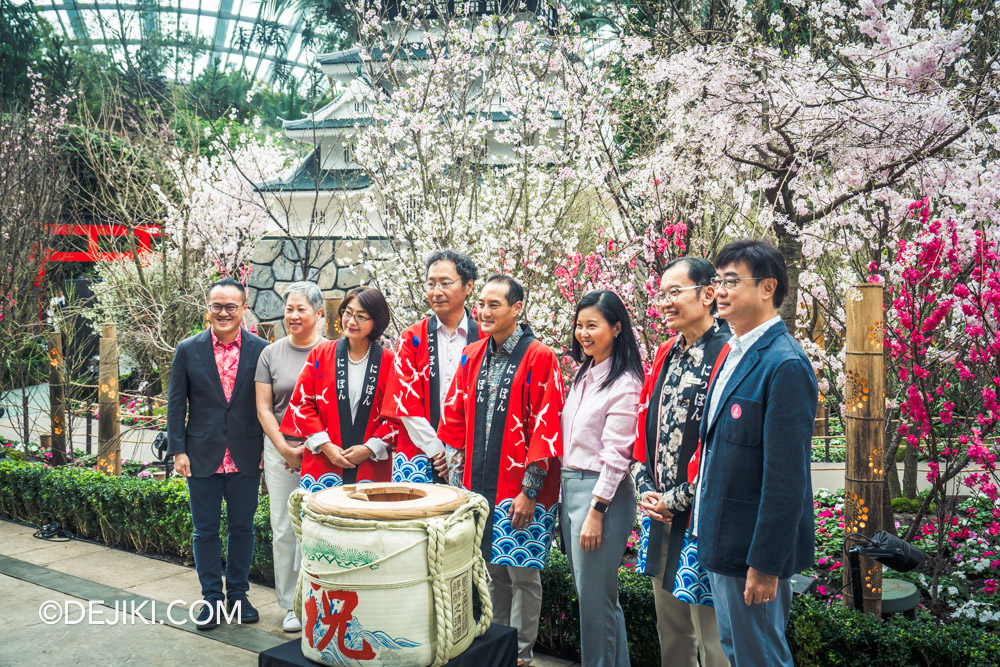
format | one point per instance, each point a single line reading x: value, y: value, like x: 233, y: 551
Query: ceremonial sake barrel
x: 387, y: 573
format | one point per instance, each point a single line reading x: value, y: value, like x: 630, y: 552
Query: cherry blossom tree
x: 943, y: 332
x: 824, y: 144
x: 814, y: 126
x: 33, y: 183
x: 198, y: 188
x: 486, y: 136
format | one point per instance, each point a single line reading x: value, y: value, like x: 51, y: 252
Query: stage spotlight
x: 888, y: 550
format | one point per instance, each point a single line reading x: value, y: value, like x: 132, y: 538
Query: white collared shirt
x: 449, y: 356
x: 450, y: 353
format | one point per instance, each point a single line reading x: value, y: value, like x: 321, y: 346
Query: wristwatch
x: 528, y: 491
x: 599, y: 506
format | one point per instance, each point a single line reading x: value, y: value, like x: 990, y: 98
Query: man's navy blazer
x: 757, y: 502
x: 196, y: 392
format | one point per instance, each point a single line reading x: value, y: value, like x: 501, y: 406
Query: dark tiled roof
x: 306, y: 176
x: 353, y: 56
x: 328, y: 123
x: 365, y: 121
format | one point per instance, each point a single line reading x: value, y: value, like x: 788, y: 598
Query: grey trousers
x: 685, y: 630
x: 603, y: 642
x: 517, y: 601
x: 752, y: 636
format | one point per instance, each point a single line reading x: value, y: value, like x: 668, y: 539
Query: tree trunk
x: 891, y: 470
x: 163, y: 365
x: 892, y: 477
x: 791, y: 250
x: 910, y: 472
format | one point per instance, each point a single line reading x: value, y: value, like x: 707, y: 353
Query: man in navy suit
x: 754, y: 515
x: 220, y: 450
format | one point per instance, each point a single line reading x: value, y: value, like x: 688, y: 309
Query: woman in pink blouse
x: 598, y: 494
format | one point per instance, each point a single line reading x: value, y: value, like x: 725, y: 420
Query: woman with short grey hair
x: 277, y: 372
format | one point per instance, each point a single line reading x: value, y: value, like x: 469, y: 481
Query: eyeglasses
x: 672, y: 294
x: 360, y: 319
x: 230, y: 308
x: 730, y: 282
x: 444, y: 285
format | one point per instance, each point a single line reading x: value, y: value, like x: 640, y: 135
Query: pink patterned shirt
x: 227, y: 360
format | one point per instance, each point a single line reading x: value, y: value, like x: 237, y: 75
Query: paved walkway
x: 79, y: 579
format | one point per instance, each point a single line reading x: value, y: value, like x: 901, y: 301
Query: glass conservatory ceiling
x: 241, y: 34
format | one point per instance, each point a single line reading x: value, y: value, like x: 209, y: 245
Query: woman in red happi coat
x: 336, y: 404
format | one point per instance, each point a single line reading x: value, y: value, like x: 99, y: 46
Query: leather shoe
x: 247, y: 613
x: 208, y: 615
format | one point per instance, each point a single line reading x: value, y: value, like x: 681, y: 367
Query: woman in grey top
x: 277, y: 371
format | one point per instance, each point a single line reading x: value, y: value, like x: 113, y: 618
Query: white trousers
x: 287, y: 553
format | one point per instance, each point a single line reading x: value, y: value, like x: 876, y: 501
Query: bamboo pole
x: 108, y: 411
x: 864, y: 416
x: 57, y: 399
x: 330, y: 310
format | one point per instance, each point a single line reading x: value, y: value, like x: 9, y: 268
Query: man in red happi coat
x: 502, y: 411
x: 427, y: 359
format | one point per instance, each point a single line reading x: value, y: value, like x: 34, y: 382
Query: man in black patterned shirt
x: 671, y: 407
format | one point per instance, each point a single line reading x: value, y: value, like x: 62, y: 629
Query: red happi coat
x: 321, y: 402
x: 532, y: 432
x: 413, y: 389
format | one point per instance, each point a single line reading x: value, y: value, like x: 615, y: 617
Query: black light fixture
x: 888, y: 550
x: 159, y: 446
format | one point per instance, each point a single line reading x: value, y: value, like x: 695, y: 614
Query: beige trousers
x: 685, y: 629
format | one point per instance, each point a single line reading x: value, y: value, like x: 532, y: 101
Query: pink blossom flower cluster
x: 944, y: 338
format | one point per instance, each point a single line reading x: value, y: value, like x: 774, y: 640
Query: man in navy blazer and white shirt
x: 754, y: 513
x: 220, y: 449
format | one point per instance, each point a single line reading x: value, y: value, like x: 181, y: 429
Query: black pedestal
x: 496, y: 648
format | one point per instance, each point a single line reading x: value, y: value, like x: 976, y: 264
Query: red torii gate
x: 143, y: 235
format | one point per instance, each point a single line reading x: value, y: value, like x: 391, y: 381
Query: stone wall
x: 276, y: 265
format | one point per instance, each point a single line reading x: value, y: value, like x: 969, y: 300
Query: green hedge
x: 821, y: 635
x: 143, y: 515
x: 152, y: 516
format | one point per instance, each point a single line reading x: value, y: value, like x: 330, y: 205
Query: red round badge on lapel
x: 736, y: 411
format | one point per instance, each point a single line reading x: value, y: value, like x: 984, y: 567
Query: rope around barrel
x: 436, y: 528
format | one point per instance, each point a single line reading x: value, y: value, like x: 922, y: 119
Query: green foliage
x: 26, y: 364
x: 92, y: 153
x: 19, y: 40
x: 144, y: 515
x: 215, y: 92
x: 635, y: 593
x: 912, y: 505
x: 559, y: 625
x: 821, y: 635
x: 559, y: 621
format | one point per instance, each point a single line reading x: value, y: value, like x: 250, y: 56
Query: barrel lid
x: 393, y: 501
